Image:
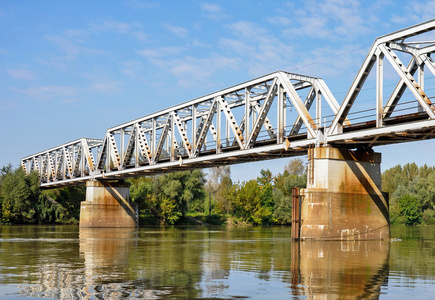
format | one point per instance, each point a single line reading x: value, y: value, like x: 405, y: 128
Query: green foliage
x: 22, y: 201
x: 169, y: 212
x: 61, y: 205
x: 224, y: 196
x: 249, y: 203
x: 410, y: 208
x: 186, y: 188
x: 428, y: 217
x: 283, y: 191
x: 412, y: 193
x: 20, y: 194
x: 166, y: 198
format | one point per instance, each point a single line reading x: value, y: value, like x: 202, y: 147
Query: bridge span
x: 277, y: 115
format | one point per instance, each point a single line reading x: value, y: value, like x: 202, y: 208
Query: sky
x: 72, y: 69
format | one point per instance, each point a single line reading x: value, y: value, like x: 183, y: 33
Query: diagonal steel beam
x: 144, y: 148
x: 128, y: 153
x: 114, y: 153
x: 308, y: 102
x: 204, y: 127
x: 232, y: 122
x: 182, y: 133
x: 398, y: 91
x: 298, y: 104
x: 409, y: 81
x: 259, y: 121
x: 161, y: 142
x: 354, y: 90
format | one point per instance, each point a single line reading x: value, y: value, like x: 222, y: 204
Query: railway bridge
x: 281, y: 114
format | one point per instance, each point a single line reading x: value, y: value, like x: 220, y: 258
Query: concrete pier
x: 108, y: 205
x: 343, y: 199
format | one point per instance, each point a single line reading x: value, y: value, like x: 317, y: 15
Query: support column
x: 108, y: 205
x: 343, y: 198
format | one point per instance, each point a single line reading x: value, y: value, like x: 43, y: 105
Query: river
x: 67, y: 262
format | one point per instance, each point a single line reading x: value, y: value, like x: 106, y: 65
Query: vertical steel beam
x: 421, y: 82
x: 379, y: 88
x: 280, y: 114
x: 247, y: 112
x: 153, y: 138
x: 318, y: 108
x: 194, y: 106
x: 218, y: 127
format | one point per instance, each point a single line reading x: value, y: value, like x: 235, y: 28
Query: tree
x: 218, y: 179
x: 248, y: 203
x: 410, y: 208
x: 284, y: 184
x: 225, y: 195
x: 410, y: 182
x: 20, y: 194
x: 295, y: 167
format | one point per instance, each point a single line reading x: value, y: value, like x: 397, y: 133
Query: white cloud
x: 177, y: 30
x: 190, y: 70
x: 136, y: 4
x: 72, y: 47
x: 160, y: 52
x: 212, y: 11
x: 141, y: 36
x: 259, y: 51
x: 133, y: 68
x: 49, y: 92
x: 331, y: 19
x: 107, y: 87
x: 280, y: 21
x: 416, y: 12
x: 211, y: 7
x: 111, y: 25
x: 22, y: 74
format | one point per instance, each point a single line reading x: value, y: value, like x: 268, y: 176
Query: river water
x: 67, y: 262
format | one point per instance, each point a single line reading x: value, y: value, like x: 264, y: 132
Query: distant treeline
x: 214, y: 198
x: 412, y: 194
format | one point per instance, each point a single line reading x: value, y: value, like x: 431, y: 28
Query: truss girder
x: 238, y: 115
x: 248, y: 121
x: 384, y: 46
x: 68, y: 161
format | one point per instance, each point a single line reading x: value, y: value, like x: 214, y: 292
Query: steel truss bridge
x: 277, y: 115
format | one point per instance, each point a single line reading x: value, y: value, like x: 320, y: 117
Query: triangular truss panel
x: 397, y: 79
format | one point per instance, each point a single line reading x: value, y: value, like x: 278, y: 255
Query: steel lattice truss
x: 277, y: 115
x: 71, y: 161
x: 387, y: 111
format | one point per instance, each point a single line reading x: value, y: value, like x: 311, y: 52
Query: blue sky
x: 71, y: 69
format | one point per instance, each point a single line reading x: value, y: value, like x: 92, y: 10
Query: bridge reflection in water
x: 340, y: 269
x: 202, y: 263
